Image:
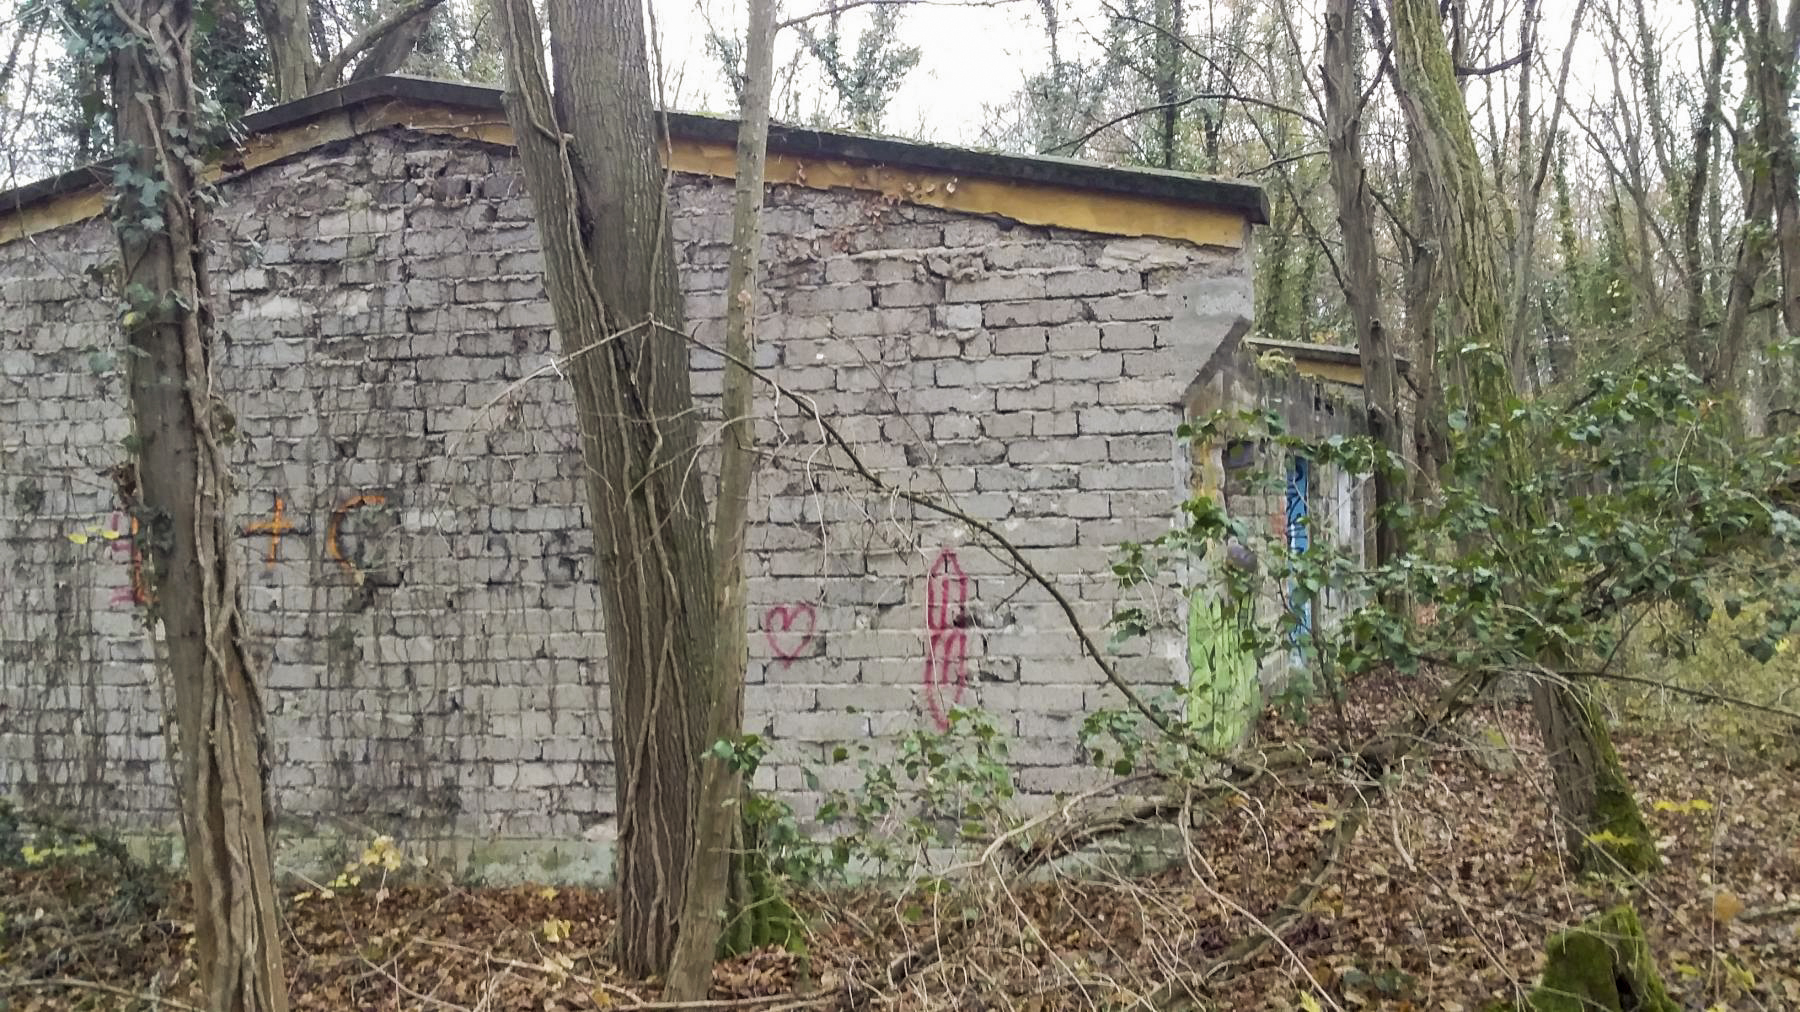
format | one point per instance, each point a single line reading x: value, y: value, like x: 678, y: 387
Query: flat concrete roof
x: 1236, y: 196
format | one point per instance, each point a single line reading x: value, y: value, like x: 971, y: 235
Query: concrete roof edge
x: 1242, y: 197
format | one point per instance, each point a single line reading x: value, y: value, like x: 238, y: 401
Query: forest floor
x: 1443, y: 900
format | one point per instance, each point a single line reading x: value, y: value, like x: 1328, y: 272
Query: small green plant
x: 938, y: 790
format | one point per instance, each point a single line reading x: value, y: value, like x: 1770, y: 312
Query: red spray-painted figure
x: 947, y: 638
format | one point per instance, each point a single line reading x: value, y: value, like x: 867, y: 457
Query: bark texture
x: 298, y: 70
x: 1592, y: 794
x: 718, y: 831
x: 589, y: 154
x: 184, y: 525
x: 1362, y: 289
x: 287, y: 29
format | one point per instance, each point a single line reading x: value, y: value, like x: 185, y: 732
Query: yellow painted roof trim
x: 1030, y: 203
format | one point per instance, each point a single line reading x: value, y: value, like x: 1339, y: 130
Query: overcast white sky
x: 971, y: 55
x: 978, y: 52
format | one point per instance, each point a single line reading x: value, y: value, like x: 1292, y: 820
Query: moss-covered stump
x: 1603, y: 965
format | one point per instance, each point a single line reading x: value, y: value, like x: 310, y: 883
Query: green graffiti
x: 1223, y: 692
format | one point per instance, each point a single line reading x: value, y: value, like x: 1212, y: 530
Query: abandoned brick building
x: 1021, y: 335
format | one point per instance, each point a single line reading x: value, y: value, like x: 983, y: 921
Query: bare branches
x: 400, y: 14
x: 1210, y: 96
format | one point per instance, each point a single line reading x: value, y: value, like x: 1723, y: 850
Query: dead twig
x: 766, y: 1003
x: 51, y: 983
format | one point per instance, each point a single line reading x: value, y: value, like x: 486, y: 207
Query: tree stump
x: 1602, y: 964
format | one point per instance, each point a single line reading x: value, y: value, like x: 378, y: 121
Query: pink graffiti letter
x: 947, y: 641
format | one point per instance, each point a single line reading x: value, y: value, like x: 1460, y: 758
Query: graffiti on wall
x: 1223, y: 694
x: 1299, y: 539
x: 335, y: 528
x: 789, y: 628
x: 123, y: 547
x: 120, y: 534
x: 274, y: 527
x: 947, y: 638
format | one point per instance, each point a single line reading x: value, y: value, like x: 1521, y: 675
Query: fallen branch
x: 51, y: 983
x: 766, y: 1003
x: 636, y: 999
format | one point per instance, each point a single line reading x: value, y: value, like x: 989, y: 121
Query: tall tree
x: 183, y: 494
x: 1167, y: 76
x: 1600, y: 815
x: 1362, y: 291
x: 1771, y: 173
x: 589, y: 150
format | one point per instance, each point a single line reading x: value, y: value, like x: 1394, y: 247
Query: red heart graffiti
x: 778, y: 629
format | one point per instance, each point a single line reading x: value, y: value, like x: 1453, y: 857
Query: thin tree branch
x: 1492, y: 68
x: 156, y: 1001
x: 1704, y: 695
x: 1218, y: 96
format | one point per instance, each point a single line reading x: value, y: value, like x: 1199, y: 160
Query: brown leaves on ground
x: 1442, y: 901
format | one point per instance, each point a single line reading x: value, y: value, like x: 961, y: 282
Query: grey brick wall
x: 388, y: 353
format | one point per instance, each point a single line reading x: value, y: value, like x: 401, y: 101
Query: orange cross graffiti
x: 337, y: 522
x: 274, y: 527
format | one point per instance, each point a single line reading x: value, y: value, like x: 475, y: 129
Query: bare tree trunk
x: 1424, y: 283
x: 1362, y: 289
x: 1591, y: 789
x: 1698, y: 184
x: 1769, y: 165
x: 1168, y: 78
x: 1773, y: 59
x: 1531, y: 186
x: 287, y: 29
x: 184, y: 518
x: 1600, y: 819
x: 719, y: 816
x: 589, y: 154
x: 386, y: 54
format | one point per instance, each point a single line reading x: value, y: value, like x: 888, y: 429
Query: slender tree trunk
x: 1424, y: 283
x: 1362, y: 290
x: 1697, y: 186
x: 1605, y: 826
x: 719, y: 816
x: 1773, y: 62
x: 1168, y: 78
x: 382, y: 45
x: 184, y: 517
x: 1532, y: 176
x: 589, y: 154
x: 1768, y: 165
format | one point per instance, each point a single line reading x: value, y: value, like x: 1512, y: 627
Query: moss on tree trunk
x: 1603, y: 964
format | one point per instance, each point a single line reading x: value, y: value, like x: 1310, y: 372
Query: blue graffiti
x: 1299, y: 482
